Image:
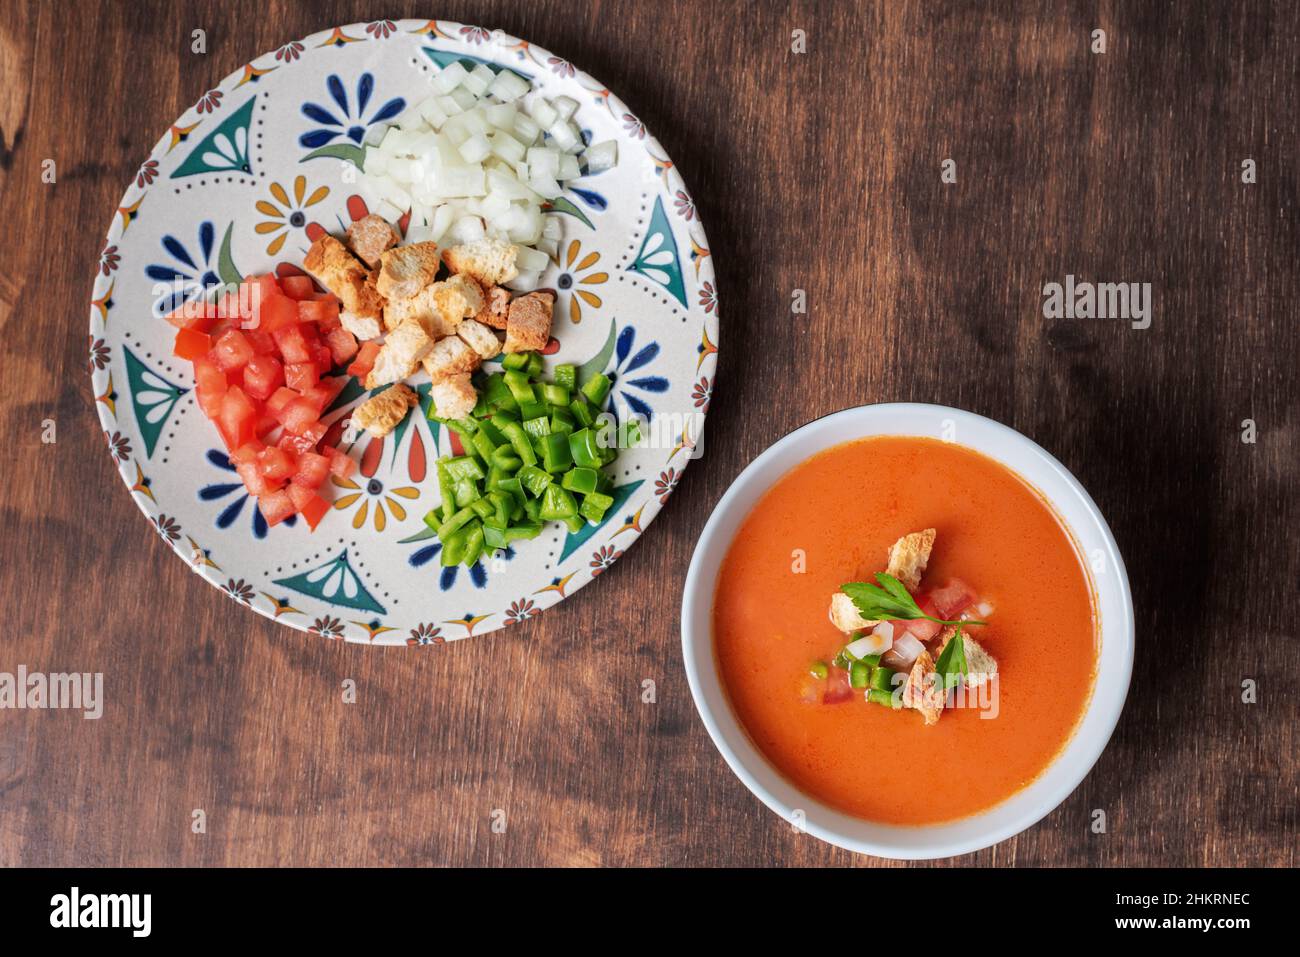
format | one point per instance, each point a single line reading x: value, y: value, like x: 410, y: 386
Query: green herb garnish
x: 951, y: 665
x: 890, y: 601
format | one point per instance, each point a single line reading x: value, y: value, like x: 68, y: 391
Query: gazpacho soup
x: 906, y: 630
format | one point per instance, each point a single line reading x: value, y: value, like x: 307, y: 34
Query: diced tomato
x: 952, y: 599
x: 275, y: 506
x: 276, y: 464
x: 299, y: 416
x: 922, y: 628
x: 313, y: 469
x: 221, y: 327
x: 279, y: 399
x: 255, y: 483
x: 324, y: 392
x: 262, y: 343
x: 298, y: 287
x: 323, y: 311
x: 838, y: 690
x: 266, y: 424
x: 309, y: 505
x: 191, y: 344
x: 229, y: 305
x: 302, y: 444
x: 322, y: 356
x: 365, y: 360
x: 259, y: 289
x: 209, y: 386
x: 276, y: 312
x: 293, y: 344
x: 262, y: 376
x: 238, y: 415
x: 246, y: 453
x: 343, y: 344
x: 232, y: 351
x: 197, y: 314
x: 341, y: 466
x: 301, y: 375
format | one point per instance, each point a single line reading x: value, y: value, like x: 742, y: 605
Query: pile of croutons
x: 448, y: 326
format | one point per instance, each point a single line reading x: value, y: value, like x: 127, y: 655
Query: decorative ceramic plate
x: 240, y: 185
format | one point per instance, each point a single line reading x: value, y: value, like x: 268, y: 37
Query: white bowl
x: 1113, y: 606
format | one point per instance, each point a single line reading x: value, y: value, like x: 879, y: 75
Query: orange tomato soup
x: 844, y: 508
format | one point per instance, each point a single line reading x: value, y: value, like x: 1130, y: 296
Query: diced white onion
x: 527, y: 129
x: 565, y: 106
x: 475, y: 149
x: 869, y: 644
x: 508, y: 86
x: 501, y: 115
x: 907, y: 648
x: 507, y: 147
x: 600, y: 157
x: 543, y: 113
x: 568, y: 168
x: 479, y: 79
x: 561, y: 132
x: 525, y: 281
x: 450, y: 77
x: 470, y: 161
x: 530, y: 260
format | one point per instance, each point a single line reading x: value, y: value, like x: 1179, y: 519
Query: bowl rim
x: 1009, y: 817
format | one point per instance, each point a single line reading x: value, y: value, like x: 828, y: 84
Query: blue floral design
x: 626, y: 362
x: 191, y: 275
x: 477, y: 573
x: 345, y: 123
x: 228, y: 515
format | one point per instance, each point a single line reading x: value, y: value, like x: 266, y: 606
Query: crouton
x: 422, y: 308
x: 529, y: 326
x: 458, y: 298
x: 980, y: 665
x: 845, y: 615
x: 490, y: 261
x: 380, y: 414
x: 401, y: 353
x: 479, y: 338
x: 363, y: 327
x: 449, y: 357
x: 496, y: 308
x: 908, y: 556
x: 405, y: 270
x: 453, y: 397
x: 923, y: 690
x: 329, y: 261
x: 370, y: 237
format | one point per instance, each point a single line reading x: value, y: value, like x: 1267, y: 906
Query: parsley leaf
x: 951, y: 665
x: 874, y: 603
x: 889, y: 601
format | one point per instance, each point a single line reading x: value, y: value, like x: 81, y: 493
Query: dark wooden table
x: 818, y: 171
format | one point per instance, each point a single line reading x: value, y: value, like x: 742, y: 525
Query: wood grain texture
x: 817, y: 172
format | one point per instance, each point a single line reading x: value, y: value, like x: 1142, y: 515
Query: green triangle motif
x: 152, y: 398
x: 334, y: 582
x: 574, y: 541
x: 658, y: 260
x: 224, y: 150
x: 444, y: 59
